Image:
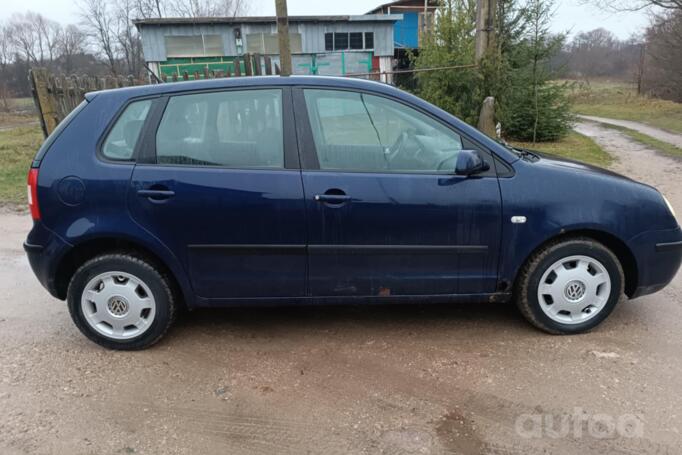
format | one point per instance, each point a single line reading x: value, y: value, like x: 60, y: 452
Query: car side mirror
x: 469, y: 162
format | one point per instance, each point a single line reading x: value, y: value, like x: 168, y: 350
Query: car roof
x: 250, y: 81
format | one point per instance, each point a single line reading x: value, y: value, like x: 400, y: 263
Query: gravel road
x: 423, y: 379
x: 657, y: 133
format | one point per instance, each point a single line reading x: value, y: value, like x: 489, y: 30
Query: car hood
x: 549, y: 160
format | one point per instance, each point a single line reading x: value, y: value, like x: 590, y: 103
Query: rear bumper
x: 658, y: 255
x: 43, y: 249
x: 668, y: 246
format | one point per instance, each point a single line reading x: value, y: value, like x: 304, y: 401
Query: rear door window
x: 120, y: 143
x: 236, y: 129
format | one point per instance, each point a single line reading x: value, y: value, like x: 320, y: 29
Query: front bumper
x: 658, y: 255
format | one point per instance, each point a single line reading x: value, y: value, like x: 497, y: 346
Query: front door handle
x: 332, y: 198
x: 156, y: 194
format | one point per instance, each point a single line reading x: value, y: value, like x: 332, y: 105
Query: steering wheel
x: 448, y: 164
x: 400, y: 146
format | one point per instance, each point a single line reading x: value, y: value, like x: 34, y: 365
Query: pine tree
x: 537, y: 108
x: 529, y: 105
x: 451, y: 43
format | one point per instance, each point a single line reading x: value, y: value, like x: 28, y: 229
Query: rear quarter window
x: 57, y: 131
x: 123, y: 136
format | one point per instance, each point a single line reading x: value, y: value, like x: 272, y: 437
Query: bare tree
x: 636, y: 5
x: 599, y: 53
x: 207, y: 8
x: 5, y: 60
x: 69, y: 44
x: 663, y: 59
x: 23, y: 37
x: 34, y: 37
x: 128, y: 40
x: 99, y: 24
x: 150, y: 8
x: 48, y: 32
x: 6, y: 49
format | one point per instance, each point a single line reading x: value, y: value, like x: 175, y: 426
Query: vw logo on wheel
x: 575, y: 290
x: 117, y: 306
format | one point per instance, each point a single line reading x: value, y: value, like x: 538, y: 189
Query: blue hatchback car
x: 281, y: 190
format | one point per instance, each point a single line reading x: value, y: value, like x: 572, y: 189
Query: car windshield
x: 520, y: 152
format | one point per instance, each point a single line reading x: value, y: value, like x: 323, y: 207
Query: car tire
x: 569, y: 286
x: 122, y: 301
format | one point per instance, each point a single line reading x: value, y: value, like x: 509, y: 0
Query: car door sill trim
x: 342, y: 300
x: 246, y: 248
x: 396, y: 249
x: 343, y: 249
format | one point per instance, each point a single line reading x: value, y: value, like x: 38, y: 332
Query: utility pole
x: 283, y: 37
x: 485, y: 37
x: 485, y: 27
x: 640, y: 69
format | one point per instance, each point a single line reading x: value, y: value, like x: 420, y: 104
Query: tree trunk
x: 486, y: 119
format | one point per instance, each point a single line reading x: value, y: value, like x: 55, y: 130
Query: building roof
x: 264, y: 19
x: 404, y: 3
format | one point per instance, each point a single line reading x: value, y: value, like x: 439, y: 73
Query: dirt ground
x: 657, y: 133
x: 424, y: 379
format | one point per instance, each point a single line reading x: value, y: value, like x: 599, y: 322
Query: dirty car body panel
x: 300, y: 233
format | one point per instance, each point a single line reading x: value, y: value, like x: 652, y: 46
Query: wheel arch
x: 610, y: 241
x: 92, y: 247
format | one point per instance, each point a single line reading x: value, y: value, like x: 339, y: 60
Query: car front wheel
x: 570, y: 286
x: 121, y: 301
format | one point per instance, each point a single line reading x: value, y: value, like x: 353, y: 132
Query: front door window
x: 355, y: 131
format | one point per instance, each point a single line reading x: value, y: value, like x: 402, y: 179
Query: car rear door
x: 218, y: 182
x: 386, y: 214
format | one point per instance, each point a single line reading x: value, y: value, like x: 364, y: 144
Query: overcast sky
x: 571, y: 15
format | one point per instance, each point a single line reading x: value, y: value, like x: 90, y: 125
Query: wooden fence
x: 55, y: 96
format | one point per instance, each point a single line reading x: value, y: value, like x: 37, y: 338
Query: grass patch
x: 12, y: 119
x: 661, y: 146
x: 619, y: 100
x: 574, y: 146
x: 18, y: 146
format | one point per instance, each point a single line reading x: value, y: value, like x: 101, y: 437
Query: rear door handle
x: 156, y: 194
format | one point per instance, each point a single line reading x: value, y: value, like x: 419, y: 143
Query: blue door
x: 221, y: 190
x: 406, y: 31
x: 385, y: 213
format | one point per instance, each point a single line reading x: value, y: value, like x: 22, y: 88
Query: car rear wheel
x: 121, y: 301
x: 570, y: 286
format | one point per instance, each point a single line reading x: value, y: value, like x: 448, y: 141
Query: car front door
x: 218, y: 182
x: 386, y: 214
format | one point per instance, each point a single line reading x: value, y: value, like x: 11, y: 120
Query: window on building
x: 236, y: 129
x: 267, y: 43
x: 340, y: 41
x: 194, y: 46
x: 356, y: 40
x: 121, y: 141
x: 369, y: 40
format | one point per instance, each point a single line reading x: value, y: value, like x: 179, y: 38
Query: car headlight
x: 670, y: 207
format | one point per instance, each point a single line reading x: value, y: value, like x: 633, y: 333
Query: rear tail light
x: 33, y: 193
